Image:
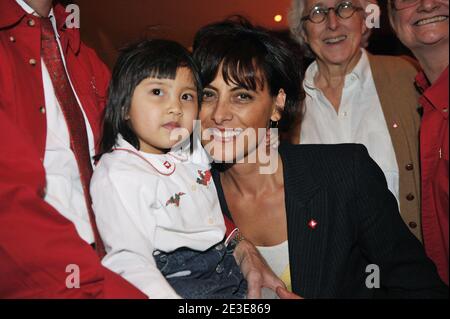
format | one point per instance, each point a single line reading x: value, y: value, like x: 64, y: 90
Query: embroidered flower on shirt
x: 175, y: 199
x: 205, y: 177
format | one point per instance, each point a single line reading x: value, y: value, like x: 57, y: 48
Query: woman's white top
x: 360, y: 118
x: 277, y: 257
x: 145, y: 202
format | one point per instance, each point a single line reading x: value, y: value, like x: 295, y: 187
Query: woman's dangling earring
x: 273, y: 141
x: 273, y: 124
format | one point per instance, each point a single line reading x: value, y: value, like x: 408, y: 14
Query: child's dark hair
x: 145, y: 59
x: 250, y: 56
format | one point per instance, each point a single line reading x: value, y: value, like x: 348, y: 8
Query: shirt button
x: 410, y: 197
x: 409, y: 167
x: 31, y: 23
x: 413, y: 225
x: 12, y: 39
x: 219, y: 269
x: 42, y: 110
x: 32, y: 62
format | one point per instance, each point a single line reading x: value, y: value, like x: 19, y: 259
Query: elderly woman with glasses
x: 355, y: 97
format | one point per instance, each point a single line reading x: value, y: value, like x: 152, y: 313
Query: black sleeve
x: 405, y: 270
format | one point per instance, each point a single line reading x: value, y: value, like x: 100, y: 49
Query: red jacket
x: 37, y: 244
x: 434, y: 162
x: 21, y: 86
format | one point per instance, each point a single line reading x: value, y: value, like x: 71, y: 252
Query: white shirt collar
x: 362, y: 68
x: 26, y: 7
x: 30, y: 10
x: 310, y: 74
x: 359, y: 72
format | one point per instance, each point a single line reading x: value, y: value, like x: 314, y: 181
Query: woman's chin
x: 433, y: 38
x: 338, y: 58
x: 220, y: 153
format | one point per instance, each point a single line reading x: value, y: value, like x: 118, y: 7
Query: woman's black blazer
x: 359, y: 229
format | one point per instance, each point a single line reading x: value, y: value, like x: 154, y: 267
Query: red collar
x: 11, y: 13
x: 436, y: 93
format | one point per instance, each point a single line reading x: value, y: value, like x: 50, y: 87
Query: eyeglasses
x: 343, y: 10
x: 404, y: 4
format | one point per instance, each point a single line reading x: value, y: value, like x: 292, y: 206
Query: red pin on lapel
x: 313, y: 224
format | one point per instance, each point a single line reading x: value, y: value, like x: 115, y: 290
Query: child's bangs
x: 167, y: 69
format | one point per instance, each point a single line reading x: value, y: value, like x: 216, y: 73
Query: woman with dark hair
x: 322, y: 216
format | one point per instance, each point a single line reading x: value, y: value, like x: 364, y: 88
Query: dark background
x: 108, y: 25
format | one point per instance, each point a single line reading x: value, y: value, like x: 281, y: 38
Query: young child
x: 157, y: 210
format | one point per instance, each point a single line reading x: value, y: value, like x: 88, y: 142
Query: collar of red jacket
x: 11, y: 13
x: 436, y: 93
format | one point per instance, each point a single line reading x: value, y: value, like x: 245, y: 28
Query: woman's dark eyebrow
x: 211, y: 87
x: 237, y: 88
x: 234, y: 89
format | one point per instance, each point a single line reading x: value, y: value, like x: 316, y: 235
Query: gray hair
x: 296, y: 12
x: 295, y: 15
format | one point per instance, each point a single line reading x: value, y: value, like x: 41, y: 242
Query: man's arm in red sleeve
x: 41, y: 253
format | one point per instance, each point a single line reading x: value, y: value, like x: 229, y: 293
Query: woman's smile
x: 224, y: 135
x: 434, y: 19
x: 335, y: 40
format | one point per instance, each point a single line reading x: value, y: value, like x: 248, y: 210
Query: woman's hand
x: 255, y: 270
x: 283, y: 293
